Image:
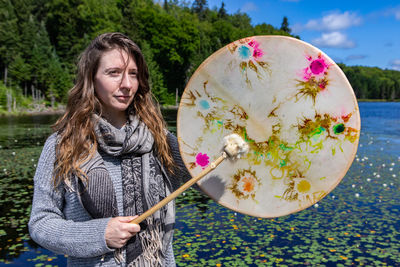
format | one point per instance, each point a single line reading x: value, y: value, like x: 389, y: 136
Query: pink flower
x: 202, y: 160
x: 253, y: 43
x: 317, y: 66
x: 257, y: 53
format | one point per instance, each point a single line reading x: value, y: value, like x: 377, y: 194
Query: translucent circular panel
x: 292, y: 105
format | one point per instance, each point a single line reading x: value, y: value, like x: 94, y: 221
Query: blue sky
x: 353, y: 32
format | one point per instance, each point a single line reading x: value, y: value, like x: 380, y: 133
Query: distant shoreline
x: 61, y: 111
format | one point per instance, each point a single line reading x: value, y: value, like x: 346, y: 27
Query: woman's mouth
x: 122, y: 97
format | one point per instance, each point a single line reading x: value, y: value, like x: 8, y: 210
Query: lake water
x: 356, y: 224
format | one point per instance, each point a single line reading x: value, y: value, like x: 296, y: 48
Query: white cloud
x: 394, y: 11
x: 334, y: 21
x: 395, y: 64
x: 333, y: 39
x: 397, y: 14
x: 249, y: 6
x: 355, y: 57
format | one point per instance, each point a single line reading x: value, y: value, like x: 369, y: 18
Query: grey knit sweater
x: 60, y: 223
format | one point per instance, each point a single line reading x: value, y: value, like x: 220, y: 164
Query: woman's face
x: 116, y: 83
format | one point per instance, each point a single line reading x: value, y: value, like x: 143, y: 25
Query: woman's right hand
x: 119, y: 231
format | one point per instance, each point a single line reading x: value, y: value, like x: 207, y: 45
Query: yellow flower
x: 332, y: 250
x: 219, y: 264
x: 185, y: 255
x: 188, y: 244
x: 343, y: 257
x: 234, y: 248
x: 330, y: 238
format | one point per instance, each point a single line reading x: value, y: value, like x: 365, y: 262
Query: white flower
x: 394, y: 175
x: 360, y: 145
x: 16, y: 141
x: 383, y: 165
x: 5, y: 170
x: 392, y: 164
x: 13, y: 153
x: 391, y: 184
x: 390, y: 169
x: 333, y: 197
x: 357, y: 194
x: 368, y: 180
x: 370, y: 164
x: 378, y: 176
x: 384, y: 185
x: 374, y: 173
x: 316, y: 205
x: 353, y: 185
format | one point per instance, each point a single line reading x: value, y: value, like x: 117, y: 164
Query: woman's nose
x: 126, y: 81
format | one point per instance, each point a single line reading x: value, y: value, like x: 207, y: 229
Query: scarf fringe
x: 151, y: 242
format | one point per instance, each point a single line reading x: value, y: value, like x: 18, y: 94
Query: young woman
x: 110, y: 158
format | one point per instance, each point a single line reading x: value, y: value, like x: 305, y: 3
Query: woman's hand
x: 119, y: 231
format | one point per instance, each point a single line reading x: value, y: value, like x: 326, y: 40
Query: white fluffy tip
x: 235, y: 146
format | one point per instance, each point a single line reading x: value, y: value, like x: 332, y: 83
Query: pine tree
x: 9, y: 36
x: 285, y: 25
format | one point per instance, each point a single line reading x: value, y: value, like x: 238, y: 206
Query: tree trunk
x: 9, y: 100
x: 52, y: 100
x: 25, y: 89
x: 5, y: 75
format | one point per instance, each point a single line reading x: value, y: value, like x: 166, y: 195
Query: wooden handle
x: 180, y: 190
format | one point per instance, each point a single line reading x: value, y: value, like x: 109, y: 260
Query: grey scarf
x: 144, y: 184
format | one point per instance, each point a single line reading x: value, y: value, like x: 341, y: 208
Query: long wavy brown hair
x: 76, y: 137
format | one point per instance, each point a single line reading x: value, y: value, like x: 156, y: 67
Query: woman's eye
x: 133, y: 73
x: 113, y: 72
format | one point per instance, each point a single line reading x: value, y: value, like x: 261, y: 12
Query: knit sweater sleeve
x: 48, y: 225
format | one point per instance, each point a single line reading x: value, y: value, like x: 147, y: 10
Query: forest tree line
x: 40, y: 41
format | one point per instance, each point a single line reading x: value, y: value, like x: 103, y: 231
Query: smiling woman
x: 111, y: 158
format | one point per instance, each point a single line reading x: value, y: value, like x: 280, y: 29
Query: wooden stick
x: 180, y: 190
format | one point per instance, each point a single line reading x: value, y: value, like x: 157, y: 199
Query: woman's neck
x: 117, y: 120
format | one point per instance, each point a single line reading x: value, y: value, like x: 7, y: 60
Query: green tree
x: 285, y: 25
x: 9, y: 36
